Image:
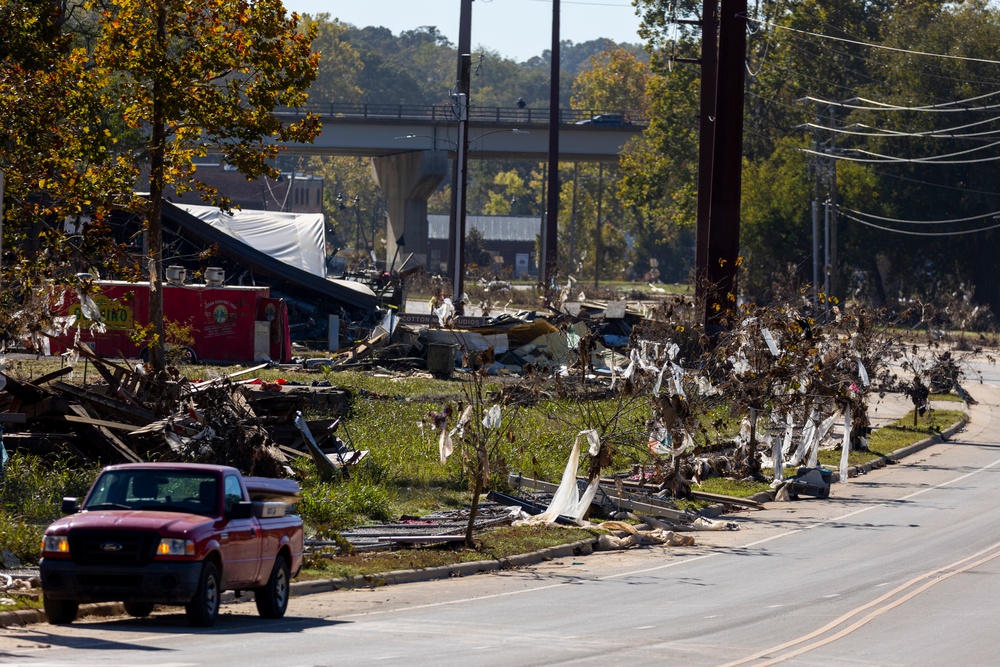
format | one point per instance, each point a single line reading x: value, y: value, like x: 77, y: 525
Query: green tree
x: 59, y: 155
x: 340, y: 64
x: 616, y: 81
x: 203, y: 77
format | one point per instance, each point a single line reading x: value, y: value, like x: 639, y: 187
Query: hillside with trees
x: 878, y: 117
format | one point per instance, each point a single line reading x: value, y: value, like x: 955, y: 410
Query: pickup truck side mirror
x: 70, y: 505
x: 241, y: 510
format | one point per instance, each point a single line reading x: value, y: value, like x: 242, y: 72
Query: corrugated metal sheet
x: 493, y: 227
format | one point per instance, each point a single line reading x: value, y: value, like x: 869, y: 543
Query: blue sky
x: 518, y: 29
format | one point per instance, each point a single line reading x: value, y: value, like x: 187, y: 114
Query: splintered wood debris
x: 131, y: 416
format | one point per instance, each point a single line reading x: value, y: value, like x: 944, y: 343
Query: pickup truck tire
x: 272, y: 598
x: 60, y: 612
x: 203, y: 608
x: 139, y: 609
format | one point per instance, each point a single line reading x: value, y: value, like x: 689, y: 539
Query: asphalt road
x: 898, y: 567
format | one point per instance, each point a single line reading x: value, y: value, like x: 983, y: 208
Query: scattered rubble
x: 129, y: 416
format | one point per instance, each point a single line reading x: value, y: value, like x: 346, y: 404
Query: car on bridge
x: 606, y: 119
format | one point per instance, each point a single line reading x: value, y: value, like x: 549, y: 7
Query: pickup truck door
x: 240, y: 539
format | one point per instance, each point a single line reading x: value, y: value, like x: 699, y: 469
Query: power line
x: 992, y: 214
x: 878, y: 46
x: 879, y: 158
x: 911, y: 233
x: 895, y: 134
x: 946, y: 107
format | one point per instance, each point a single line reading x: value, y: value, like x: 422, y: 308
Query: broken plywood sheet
x: 470, y: 341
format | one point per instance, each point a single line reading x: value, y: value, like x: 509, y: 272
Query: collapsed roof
x: 288, y: 249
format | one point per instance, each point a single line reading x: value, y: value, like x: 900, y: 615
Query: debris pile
x: 129, y: 416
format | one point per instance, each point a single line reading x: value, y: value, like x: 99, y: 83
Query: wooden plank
x: 729, y: 500
x: 106, y: 440
x: 624, y: 501
x: 101, y: 422
x: 206, y: 383
x: 138, y: 413
x: 421, y: 538
x: 48, y: 377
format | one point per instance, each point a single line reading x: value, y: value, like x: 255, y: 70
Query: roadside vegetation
x: 713, y: 412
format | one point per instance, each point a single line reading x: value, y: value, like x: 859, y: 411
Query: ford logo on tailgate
x: 111, y: 546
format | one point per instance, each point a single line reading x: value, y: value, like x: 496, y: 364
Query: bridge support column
x: 407, y: 180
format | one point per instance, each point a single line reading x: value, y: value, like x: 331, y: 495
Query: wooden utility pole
x: 551, y: 239
x: 706, y: 142
x: 724, y: 218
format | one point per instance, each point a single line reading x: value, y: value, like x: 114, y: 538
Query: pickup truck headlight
x: 175, y: 547
x: 55, y: 544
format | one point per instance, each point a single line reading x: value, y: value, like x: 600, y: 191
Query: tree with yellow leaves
x: 197, y: 78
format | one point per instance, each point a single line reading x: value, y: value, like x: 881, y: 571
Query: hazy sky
x: 517, y: 29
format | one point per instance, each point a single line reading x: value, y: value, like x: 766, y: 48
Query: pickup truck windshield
x: 157, y: 490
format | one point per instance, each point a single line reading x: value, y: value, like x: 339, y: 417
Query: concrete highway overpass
x: 412, y: 149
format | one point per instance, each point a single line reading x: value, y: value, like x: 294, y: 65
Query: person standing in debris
x: 437, y: 299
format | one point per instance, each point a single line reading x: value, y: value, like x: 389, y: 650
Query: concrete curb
x: 713, y: 511
x: 580, y: 548
x: 903, y: 452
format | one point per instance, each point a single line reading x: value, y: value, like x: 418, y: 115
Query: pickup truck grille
x: 105, y: 547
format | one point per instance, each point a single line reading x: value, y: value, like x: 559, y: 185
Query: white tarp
x: 296, y: 239
x: 567, y: 500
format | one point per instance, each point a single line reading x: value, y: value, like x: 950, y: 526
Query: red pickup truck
x: 173, y: 533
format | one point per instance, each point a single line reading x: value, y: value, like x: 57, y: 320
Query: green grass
x: 22, y: 600
x: 31, y: 492
x: 490, y: 545
x: 737, y: 488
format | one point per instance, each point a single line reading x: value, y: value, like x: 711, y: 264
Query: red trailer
x: 228, y: 324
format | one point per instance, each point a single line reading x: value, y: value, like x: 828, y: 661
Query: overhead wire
x: 882, y: 46
x: 946, y: 133
x: 915, y: 233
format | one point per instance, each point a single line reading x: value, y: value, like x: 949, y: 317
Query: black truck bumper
x: 163, y: 583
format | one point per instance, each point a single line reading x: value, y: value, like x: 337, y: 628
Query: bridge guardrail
x: 444, y: 113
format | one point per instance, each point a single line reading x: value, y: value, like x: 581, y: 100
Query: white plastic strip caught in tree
x: 445, y: 447
x: 493, y: 417
x: 567, y: 500
x: 786, y: 445
x: 805, y: 439
x: 845, y: 448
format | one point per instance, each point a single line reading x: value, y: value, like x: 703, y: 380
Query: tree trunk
x: 477, y: 491
x: 154, y: 223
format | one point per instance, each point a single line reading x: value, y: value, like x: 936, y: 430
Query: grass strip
x: 493, y: 544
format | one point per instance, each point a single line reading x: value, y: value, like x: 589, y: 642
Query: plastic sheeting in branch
x: 845, y: 449
x: 567, y: 500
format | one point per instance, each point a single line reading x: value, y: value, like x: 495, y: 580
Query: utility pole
x: 550, y: 241
x: 456, y: 259
x: 706, y: 142
x: 727, y: 166
x: 598, y: 249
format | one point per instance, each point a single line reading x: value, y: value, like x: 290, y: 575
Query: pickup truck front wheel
x: 60, y: 612
x: 203, y: 608
x: 272, y: 598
